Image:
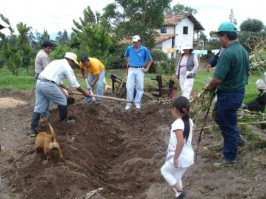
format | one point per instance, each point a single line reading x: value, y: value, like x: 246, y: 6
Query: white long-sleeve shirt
x: 57, y: 71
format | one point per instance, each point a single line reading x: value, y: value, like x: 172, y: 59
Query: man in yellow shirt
x: 96, y: 73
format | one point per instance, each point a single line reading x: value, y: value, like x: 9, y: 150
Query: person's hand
x: 86, y: 94
x: 208, y: 67
x: 69, y: 92
x: 176, y: 163
x: 89, y: 87
x: 145, y: 70
x: 190, y: 75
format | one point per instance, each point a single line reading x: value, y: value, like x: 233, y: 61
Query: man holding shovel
x: 47, y: 88
x: 96, y: 74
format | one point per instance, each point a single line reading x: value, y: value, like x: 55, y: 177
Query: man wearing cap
x: 138, y: 61
x: 96, y: 76
x: 230, y: 78
x: 47, y: 88
x: 187, y: 67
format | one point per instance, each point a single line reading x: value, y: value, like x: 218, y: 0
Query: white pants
x: 135, y: 79
x: 186, y: 85
x: 172, y: 174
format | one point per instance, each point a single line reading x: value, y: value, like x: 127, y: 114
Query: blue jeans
x: 47, y: 111
x: 47, y: 92
x: 227, y: 105
x: 99, y: 89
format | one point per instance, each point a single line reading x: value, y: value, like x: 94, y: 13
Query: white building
x: 177, y: 30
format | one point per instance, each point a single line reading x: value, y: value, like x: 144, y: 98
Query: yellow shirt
x: 95, y: 68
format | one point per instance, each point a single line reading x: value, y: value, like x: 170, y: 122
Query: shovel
x: 90, y: 91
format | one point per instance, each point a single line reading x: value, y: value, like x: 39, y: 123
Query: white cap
x: 135, y: 38
x: 72, y: 56
x: 260, y: 84
x: 187, y: 46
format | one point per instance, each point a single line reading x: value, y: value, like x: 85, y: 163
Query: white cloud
x: 57, y: 15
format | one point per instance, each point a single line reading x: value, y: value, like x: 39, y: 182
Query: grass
x: 25, y: 80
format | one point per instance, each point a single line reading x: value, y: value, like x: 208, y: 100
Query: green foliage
x: 15, y: 51
x: 137, y: 17
x: 252, y: 25
x: 248, y: 39
x: 181, y: 9
x: 62, y: 38
x: 91, y: 36
x: 59, y: 51
x: 161, y: 63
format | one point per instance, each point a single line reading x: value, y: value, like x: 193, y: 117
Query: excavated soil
x: 117, y: 150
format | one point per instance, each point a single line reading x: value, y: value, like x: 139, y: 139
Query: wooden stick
x: 122, y: 81
x: 241, y: 123
x: 106, y: 97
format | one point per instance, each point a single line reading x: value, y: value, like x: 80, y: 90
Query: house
x: 177, y: 30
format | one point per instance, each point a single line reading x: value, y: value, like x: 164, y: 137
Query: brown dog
x: 47, y: 142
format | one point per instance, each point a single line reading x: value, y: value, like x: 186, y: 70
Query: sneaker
x: 225, y: 163
x: 33, y: 134
x: 127, y: 107
x: 137, y: 106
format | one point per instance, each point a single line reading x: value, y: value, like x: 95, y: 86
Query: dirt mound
x: 117, y: 150
x: 106, y: 147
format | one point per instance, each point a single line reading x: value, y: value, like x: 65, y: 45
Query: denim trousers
x: 47, y: 92
x: 135, y: 79
x: 227, y: 105
x: 99, y: 89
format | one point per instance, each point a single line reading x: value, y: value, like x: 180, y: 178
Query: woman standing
x: 186, y: 69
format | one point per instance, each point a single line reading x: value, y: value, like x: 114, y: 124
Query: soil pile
x: 117, y: 150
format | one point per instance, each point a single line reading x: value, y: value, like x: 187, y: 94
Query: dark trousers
x: 227, y: 105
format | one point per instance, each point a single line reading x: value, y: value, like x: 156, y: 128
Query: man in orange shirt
x: 96, y: 73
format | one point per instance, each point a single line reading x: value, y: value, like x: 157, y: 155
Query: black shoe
x: 182, y: 195
x: 225, y: 163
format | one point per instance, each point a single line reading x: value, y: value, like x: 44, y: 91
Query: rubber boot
x: 35, y: 122
x: 62, y: 112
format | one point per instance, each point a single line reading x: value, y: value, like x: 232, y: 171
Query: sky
x: 58, y: 15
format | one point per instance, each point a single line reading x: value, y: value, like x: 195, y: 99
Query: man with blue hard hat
x: 230, y: 78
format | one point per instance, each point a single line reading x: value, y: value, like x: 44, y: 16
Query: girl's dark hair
x: 182, y: 105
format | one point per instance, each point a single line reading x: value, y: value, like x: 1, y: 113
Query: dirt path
x: 117, y: 150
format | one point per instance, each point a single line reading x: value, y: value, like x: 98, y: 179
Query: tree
x: 181, y: 9
x: 91, y: 36
x: 137, y: 17
x: 15, y: 52
x: 62, y: 38
x: 232, y: 17
x: 252, y: 25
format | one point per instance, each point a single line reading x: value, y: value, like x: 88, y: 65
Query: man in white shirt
x: 47, y: 88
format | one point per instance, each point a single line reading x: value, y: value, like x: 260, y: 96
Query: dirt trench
x: 114, y: 149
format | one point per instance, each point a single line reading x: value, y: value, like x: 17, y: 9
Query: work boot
x: 63, y: 114
x: 34, y: 123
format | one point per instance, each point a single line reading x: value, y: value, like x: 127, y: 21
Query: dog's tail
x: 52, y: 131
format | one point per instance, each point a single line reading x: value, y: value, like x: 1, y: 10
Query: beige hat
x: 72, y: 56
x: 187, y: 46
x: 135, y: 38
